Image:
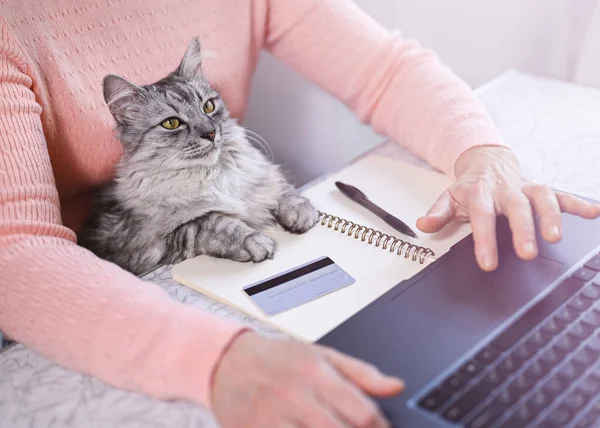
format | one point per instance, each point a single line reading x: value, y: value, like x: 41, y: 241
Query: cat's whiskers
x: 258, y: 139
x: 261, y: 146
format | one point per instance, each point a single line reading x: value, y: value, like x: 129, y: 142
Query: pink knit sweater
x: 56, y: 144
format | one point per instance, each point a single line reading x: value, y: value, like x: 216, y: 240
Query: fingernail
x: 554, y: 232
x: 487, y: 262
x: 529, y: 248
x: 399, y: 382
x: 433, y: 211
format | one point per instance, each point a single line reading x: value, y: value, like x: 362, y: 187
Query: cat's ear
x: 191, y: 64
x: 119, y: 93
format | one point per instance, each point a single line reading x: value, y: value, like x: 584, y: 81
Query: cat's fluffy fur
x: 202, y: 188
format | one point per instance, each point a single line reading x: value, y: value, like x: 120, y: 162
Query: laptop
x: 518, y: 347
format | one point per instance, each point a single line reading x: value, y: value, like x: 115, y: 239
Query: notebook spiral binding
x: 364, y: 233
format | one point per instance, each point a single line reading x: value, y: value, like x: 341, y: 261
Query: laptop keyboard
x: 543, y: 370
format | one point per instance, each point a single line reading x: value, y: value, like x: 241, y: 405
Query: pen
x: 360, y: 198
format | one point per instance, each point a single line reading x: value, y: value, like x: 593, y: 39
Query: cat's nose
x: 210, y: 136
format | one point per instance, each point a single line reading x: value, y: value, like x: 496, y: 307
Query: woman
x: 56, y: 144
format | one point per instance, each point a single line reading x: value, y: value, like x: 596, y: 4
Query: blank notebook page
x: 403, y: 190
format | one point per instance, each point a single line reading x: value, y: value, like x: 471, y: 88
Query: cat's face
x: 179, y: 121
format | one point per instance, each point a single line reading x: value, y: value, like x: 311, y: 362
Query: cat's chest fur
x: 239, y: 186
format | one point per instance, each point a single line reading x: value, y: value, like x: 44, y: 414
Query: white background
x: 311, y: 133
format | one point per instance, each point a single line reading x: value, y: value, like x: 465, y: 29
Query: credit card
x: 298, y: 286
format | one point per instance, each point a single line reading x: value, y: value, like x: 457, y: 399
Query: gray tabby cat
x: 189, y: 181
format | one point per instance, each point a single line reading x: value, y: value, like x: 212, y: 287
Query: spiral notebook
x: 373, y: 253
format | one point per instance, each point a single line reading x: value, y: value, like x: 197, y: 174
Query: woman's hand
x: 273, y: 383
x: 490, y: 183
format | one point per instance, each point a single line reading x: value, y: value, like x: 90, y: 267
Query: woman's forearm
x: 93, y: 317
x: 392, y: 83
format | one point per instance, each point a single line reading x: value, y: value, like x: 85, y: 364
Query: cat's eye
x: 209, y: 106
x: 172, y: 123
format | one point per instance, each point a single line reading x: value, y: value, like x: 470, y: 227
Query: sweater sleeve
x: 402, y: 90
x: 65, y: 303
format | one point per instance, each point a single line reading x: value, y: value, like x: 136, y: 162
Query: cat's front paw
x: 259, y: 247
x: 297, y: 215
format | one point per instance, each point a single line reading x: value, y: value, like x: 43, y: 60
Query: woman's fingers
x: 364, y: 375
x: 320, y: 414
x: 482, y: 199
x: 574, y: 205
x: 546, y: 204
x: 439, y: 215
x: 345, y: 395
x: 351, y: 406
x: 482, y: 215
x: 265, y: 382
x: 516, y: 206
